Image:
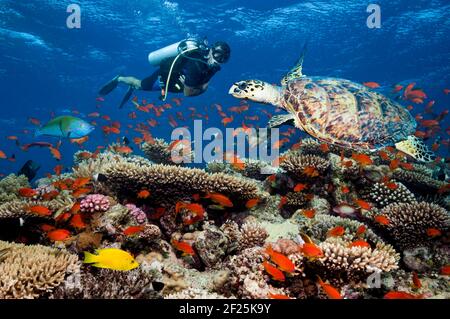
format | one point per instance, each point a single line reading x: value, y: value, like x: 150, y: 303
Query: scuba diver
x: 184, y: 67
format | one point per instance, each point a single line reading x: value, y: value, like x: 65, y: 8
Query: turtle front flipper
x: 279, y: 120
x: 297, y: 71
x: 416, y: 148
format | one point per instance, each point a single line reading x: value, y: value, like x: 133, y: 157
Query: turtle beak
x: 233, y: 89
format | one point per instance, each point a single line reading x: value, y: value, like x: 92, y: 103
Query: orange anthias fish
x: 80, y: 182
x: 274, y: 271
x: 359, y: 243
x: 407, y: 166
x: 132, y: 230
x: 372, y: 85
x: 77, y: 222
x: 79, y: 141
x: 416, y: 281
x: 27, y: 192
x: 81, y: 191
x: 401, y: 295
x: 143, y: 194
x: 362, y: 159
x: 309, y: 213
x: 311, y: 250
x: 183, y: 247
x: 363, y: 204
x: 220, y: 199
x: 50, y: 195
x: 227, y: 120
x: 299, y: 187
x: 394, y: 164
x: 361, y: 230
x: 3, y: 155
x: 336, y: 231
x: 55, y: 153
x: 310, y: 171
x: 40, y: 210
x: 283, y: 262
x: 381, y: 219
x: 58, y: 234
x: 324, y: 148
x: 331, y: 291
x: 433, y: 232
x: 252, y: 203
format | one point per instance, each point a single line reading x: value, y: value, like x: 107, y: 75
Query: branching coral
x: 10, y: 185
x: 252, y: 235
x: 382, y: 195
x: 173, y: 182
x: 409, y: 223
x: 418, y: 180
x: 107, y: 284
x: 95, y: 203
x: 344, y: 264
x: 31, y: 271
x: 299, y: 165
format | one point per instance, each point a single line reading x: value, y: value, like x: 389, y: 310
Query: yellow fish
x: 111, y: 258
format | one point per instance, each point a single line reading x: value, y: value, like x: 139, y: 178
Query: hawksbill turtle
x: 338, y: 111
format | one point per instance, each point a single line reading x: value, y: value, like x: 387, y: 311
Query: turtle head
x: 257, y: 91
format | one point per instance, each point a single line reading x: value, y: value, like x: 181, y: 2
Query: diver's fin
x: 126, y: 97
x: 279, y: 120
x: 416, y: 148
x: 297, y: 71
x: 108, y: 87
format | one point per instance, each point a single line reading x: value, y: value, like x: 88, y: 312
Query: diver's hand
x: 182, y: 79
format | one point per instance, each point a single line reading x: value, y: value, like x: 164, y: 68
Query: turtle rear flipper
x: 279, y: 120
x: 416, y: 148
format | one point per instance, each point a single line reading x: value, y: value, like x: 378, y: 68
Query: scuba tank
x: 176, y: 50
x: 171, y: 51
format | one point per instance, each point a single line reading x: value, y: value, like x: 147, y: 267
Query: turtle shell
x: 346, y: 113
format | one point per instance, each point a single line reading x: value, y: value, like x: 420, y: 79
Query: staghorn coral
x: 382, y: 195
x: 344, y: 264
x: 9, y: 187
x: 252, y: 235
x: 30, y: 271
x: 94, y: 203
x: 107, y: 284
x: 173, y: 182
x: 295, y: 164
x: 408, y: 222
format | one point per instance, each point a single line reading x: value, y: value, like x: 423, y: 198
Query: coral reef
x: 30, y: 271
x: 158, y: 152
x: 252, y: 235
x: 297, y: 164
x: 138, y: 214
x: 9, y: 187
x: 94, y: 203
x: 382, y: 195
x: 409, y: 223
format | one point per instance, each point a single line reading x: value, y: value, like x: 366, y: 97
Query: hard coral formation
x: 252, y: 235
x: 409, y: 223
x: 164, y: 180
x: 344, y: 264
x: 418, y: 180
x: 107, y: 284
x: 9, y: 187
x: 158, y: 151
x: 94, y: 203
x: 383, y: 195
x: 138, y: 214
x: 31, y: 271
x: 297, y: 164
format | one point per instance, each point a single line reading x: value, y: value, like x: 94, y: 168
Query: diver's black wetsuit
x: 196, y: 74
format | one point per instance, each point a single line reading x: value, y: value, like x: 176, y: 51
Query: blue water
x: 46, y: 67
